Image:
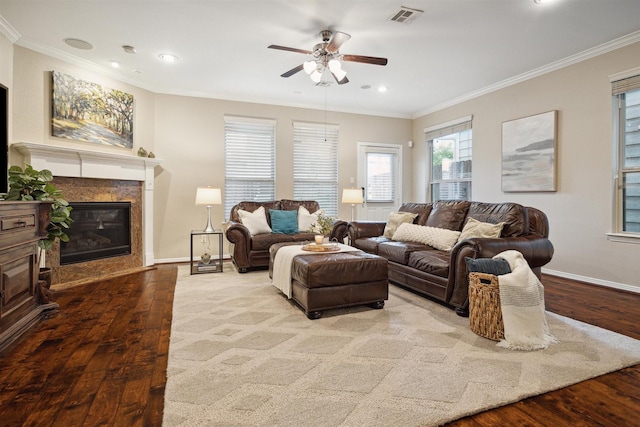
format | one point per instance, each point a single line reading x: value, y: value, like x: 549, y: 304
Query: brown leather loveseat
x: 252, y: 252
x: 441, y: 274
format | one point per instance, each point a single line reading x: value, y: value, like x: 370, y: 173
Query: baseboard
x: 225, y: 257
x: 591, y: 280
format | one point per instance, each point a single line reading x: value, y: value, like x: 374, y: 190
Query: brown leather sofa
x: 443, y: 275
x: 252, y: 252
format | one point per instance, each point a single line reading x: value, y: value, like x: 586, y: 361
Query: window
x: 626, y: 94
x: 315, y: 165
x: 381, y: 173
x: 450, y: 149
x: 249, y: 156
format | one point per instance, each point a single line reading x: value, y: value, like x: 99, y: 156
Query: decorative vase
x: 205, y: 258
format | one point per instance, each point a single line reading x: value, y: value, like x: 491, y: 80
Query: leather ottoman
x: 334, y: 280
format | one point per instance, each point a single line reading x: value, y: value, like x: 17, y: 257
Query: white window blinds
x: 315, y: 164
x: 249, y: 154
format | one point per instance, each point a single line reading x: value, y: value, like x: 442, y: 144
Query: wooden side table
x: 205, y: 261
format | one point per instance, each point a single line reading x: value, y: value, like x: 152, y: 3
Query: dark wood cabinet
x: 23, y: 298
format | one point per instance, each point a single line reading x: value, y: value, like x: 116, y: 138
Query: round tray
x: 313, y: 247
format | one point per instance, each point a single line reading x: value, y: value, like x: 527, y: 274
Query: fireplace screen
x: 99, y: 230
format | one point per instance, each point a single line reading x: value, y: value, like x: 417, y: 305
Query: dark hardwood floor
x: 102, y: 360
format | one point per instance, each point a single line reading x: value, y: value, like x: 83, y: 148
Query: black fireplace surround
x: 99, y: 230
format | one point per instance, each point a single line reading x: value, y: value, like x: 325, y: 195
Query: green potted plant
x: 324, y: 225
x: 33, y: 185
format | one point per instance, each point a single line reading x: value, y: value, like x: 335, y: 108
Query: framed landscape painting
x: 89, y: 112
x: 529, y: 148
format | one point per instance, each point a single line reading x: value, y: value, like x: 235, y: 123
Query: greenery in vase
x: 33, y: 185
x: 324, y: 224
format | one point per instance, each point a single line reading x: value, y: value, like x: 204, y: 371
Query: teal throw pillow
x: 284, y: 222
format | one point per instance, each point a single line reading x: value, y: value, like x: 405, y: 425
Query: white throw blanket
x: 522, y: 302
x: 282, y: 264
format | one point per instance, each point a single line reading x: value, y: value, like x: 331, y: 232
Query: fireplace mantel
x: 83, y: 163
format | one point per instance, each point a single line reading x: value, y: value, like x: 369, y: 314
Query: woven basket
x: 485, y: 314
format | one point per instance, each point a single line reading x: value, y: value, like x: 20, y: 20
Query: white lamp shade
x: 352, y: 195
x: 208, y: 196
x: 316, y: 76
x: 335, y: 65
x: 310, y: 66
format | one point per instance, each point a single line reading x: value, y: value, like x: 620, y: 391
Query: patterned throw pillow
x: 475, y: 228
x: 256, y: 221
x: 438, y: 238
x: 394, y: 221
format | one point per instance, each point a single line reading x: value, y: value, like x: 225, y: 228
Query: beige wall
x: 190, y: 138
x: 188, y: 135
x: 580, y: 212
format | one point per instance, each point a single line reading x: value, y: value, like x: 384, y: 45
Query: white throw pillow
x: 255, y: 221
x: 306, y: 219
x: 438, y: 238
x: 475, y: 228
x: 394, y: 220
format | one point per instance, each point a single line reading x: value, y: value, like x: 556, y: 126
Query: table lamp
x: 208, y: 196
x: 353, y: 196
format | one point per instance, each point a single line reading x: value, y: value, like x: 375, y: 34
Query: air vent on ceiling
x: 406, y: 15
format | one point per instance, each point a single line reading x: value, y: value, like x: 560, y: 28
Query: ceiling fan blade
x: 289, y: 49
x: 292, y: 71
x: 336, y: 41
x: 365, y: 59
x: 340, y: 82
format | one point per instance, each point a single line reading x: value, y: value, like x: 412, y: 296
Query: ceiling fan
x: 326, y: 56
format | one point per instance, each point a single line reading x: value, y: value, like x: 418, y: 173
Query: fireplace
x: 99, y: 230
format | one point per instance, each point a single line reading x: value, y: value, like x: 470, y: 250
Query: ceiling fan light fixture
x: 310, y: 66
x: 316, y: 76
x: 335, y: 66
x: 340, y: 74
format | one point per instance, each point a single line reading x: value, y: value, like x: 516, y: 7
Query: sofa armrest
x: 240, y: 238
x: 362, y: 229
x: 339, y: 231
x: 536, y: 250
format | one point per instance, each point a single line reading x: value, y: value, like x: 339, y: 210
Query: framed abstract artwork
x: 529, y: 152
x: 89, y: 112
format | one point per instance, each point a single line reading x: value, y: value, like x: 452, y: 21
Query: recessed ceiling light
x: 382, y: 89
x: 542, y: 1
x: 365, y: 87
x: 167, y: 57
x: 129, y: 49
x: 79, y: 44
x: 114, y: 64
x: 137, y: 71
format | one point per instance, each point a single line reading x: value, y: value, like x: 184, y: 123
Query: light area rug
x: 242, y: 354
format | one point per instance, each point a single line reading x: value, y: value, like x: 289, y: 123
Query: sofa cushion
x: 475, y: 228
x: 256, y: 221
x: 399, y: 251
x: 438, y: 238
x: 431, y: 261
x: 448, y: 214
x: 369, y: 244
x: 306, y: 219
x: 495, y: 266
x: 394, y: 220
x: 422, y: 209
x: 284, y: 222
x: 262, y: 242
x: 514, y: 216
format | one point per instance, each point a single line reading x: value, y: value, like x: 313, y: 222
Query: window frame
x: 265, y: 131
x: 444, y: 129
x: 323, y: 141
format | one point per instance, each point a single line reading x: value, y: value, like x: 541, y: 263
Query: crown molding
x: 8, y: 30
x: 554, y: 66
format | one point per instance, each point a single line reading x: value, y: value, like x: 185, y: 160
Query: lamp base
x: 209, y: 228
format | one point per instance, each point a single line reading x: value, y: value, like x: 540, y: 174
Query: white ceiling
x: 457, y: 48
